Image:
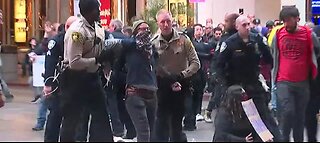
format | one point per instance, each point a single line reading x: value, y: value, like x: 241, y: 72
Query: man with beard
x: 295, y: 64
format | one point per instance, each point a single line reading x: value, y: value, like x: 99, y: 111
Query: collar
x: 198, y: 40
x: 86, y: 23
x: 175, y: 36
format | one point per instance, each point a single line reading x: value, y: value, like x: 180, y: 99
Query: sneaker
x: 36, y: 100
x: 37, y: 128
x: 199, y: 117
x: 207, y: 116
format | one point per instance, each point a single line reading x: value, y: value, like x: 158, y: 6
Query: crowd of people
x: 129, y: 82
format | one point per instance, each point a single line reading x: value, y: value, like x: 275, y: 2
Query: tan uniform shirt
x: 176, y: 56
x: 82, y: 43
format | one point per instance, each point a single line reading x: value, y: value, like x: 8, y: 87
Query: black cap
x: 256, y: 21
x: 269, y: 23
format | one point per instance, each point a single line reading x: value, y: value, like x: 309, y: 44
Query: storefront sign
x: 20, y: 25
x: 178, y: 8
x: 315, y: 7
x: 105, y: 13
x: 195, y: 1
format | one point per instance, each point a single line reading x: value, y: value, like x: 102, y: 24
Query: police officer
x: 177, y: 62
x: 81, y: 85
x: 238, y: 63
x: 230, y: 29
x: 51, y: 92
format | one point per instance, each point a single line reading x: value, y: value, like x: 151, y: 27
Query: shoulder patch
x: 265, y: 40
x: 51, y: 44
x: 76, y: 37
x: 223, y: 47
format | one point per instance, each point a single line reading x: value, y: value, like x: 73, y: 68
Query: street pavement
x: 18, y: 117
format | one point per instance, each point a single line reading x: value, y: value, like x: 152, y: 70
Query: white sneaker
x: 199, y: 117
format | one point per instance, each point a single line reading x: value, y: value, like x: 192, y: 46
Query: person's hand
x: 47, y: 90
x: 143, y: 39
x: 176, y: 87
x: 32, y: 56
x: 270, y: 140
x: 249, y: 138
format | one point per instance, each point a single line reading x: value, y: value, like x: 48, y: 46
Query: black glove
x: 143, y: 39
x: 174, y: 78
x: 105, y: 56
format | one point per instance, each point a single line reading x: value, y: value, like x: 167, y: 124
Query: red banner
x: 105, y: 13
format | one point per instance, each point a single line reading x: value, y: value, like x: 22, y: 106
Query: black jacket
x: 227, y: 130
x: 239, y: 62
x: 55, y: 50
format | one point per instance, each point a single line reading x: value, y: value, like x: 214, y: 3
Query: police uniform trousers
x: 171, y: 109
x: 82, y: 90
x: 54, y: 119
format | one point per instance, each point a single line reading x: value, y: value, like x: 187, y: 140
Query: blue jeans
x: 42, y: 113
x: 5, y: 89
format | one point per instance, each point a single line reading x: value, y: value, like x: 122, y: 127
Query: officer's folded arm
x: 75, y: 51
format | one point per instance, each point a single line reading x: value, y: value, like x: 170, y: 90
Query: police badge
x: 223, y: 47
x: 76, y: 37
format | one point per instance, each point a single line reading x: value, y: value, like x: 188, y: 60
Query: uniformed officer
x: 177, y: 62
x: 51, y: 92
x: 81, y: 85
x: 238, y: 63
x: 230, y: 29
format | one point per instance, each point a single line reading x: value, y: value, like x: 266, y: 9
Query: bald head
x: 243, y: 25
x: 241, y: 19
x: 230, y: 21
x: 69, y: 21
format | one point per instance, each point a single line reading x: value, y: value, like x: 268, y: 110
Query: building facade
x: 262, y: 9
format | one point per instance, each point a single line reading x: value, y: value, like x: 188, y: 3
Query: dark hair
x: 217, y: 29
x: 233, y: 17
x: 61, y: 28
x: 232, y: 102
x: 194, y: 26
x: 127, y: 29
x: 288, y: 12
x: 87, y: 6
x: 33, y: 38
